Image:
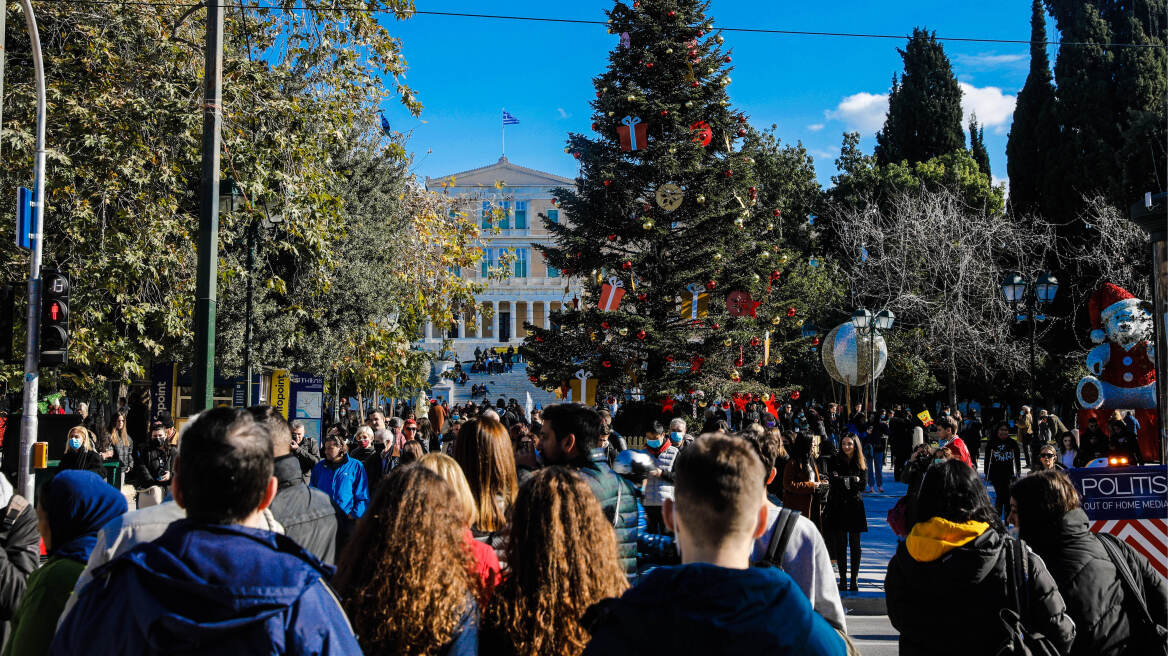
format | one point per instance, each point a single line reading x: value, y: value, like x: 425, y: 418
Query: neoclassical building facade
x: 507, y: 200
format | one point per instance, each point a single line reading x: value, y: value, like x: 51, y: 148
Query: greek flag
x: 508, y: 119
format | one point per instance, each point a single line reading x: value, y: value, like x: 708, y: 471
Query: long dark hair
x: 952, y: 490
x: 801, y: 449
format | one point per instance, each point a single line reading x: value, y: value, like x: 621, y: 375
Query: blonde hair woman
x: 79, y: 451
x: 486, y: 563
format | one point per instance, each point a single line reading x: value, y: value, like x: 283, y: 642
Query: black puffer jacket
x: 1091, y: 586
x: 951, y: 605
x: 619, y: 502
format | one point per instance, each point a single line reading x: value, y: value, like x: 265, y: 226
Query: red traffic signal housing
x: 55, y: 289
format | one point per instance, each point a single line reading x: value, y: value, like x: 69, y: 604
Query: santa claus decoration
x: 1122, y: 366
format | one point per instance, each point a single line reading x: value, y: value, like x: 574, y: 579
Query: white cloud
x: 861, y: 111
x: 984, y: 61
x: 563, y: 114
x: 815, y: 127
x: 994, y: 109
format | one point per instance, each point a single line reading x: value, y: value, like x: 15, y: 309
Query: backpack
x: 1147, y: 633
x: 1022, y: 641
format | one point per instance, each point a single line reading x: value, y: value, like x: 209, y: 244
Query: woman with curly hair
x: 405, y: 576
x: 483, y: 450
x: 563, y: 558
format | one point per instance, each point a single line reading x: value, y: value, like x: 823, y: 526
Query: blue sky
x: 812, y: 87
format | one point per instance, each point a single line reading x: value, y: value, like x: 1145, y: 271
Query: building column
x: 429, y: 330
x: 514, y: 317
x: 461, y: 325
x: 528, y: 313
x: 547, y: 315
x: 479, y: 321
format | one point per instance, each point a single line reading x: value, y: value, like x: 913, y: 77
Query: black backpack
x: 1022, y: 641
x: 780, y: 536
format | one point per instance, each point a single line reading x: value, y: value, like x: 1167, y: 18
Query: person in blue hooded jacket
x: 71, y: 509
x: 714, y: 602
x: 342, y: 477
x: 215, y: 582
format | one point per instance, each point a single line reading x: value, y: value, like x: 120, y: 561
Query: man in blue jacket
x: 714, y: 602
x: 214, y: 583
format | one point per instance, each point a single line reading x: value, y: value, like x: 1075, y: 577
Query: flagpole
x: 503, y: 130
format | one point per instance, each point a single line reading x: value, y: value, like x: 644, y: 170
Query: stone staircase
x: 511, y: 385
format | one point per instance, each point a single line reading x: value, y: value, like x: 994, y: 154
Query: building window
x: 499, y: 213
x: 552, y: 272
x: 457, y: 271
x: 486, y: 214
x: 521, y: 215
x: 503, y: 210
x: 553, y: 216
x: 490, y: 260
x: 521, y: 262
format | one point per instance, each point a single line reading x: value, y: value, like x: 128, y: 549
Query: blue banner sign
x: 1123, y: 492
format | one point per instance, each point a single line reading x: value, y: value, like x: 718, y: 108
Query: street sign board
x: 24, y: 218
x: 1130, y: 503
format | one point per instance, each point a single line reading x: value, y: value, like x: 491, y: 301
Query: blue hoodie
x: 209, y: 589
x: 705, y: 609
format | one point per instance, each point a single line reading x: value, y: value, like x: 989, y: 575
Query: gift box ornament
x: 611, y: 294
x: 697, y: 304
x: 632, y: 132
x: 583, y: 388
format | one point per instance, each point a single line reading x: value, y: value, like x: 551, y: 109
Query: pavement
x: 867, y: 614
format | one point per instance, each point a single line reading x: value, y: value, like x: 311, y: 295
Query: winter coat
x: 656, y: 489
x: 709, y: 610
x: 19, y: 552
x: 1003, y: 460
x: 345, y: 482
x: 83, y: 459
x: 151, y: 461
x: 845, y: 504
x: 308, y: 454
x: 1091, y: 586
x: 608, y: 488
x: 209, y: 589
x: 943, y: 565
x: 306, y: 513
x: 36, y: 618
x: 799, y: 489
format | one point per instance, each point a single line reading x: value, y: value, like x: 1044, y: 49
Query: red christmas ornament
x: 778, y: 212
x: 711, y: 284
x: 612, y: 237
x: 669, y: 358
x: 691, y: 391
x: 626, y: 265
x: 607, y: 182
x: 738, y: 362
x: 665, y: 112
x: 576, y: 155
x: 642, y: 297
x: 599, y: 94
x: 595, y: 126
x: 534, y: 379
x: 648, y: 64
x: 742, y: 132
x: 716, y: 326
x: 727, y: 59
x: 606, y: 364
x: 636, y: 4
x: 754, y: 341
x: 539, y: 339
x: 791, y: 311
x: 605, y: 325
x: 671, y: 13
x: 742, y: 118
x: 641, y: 334
x: 815, y: 342
x: 701, y: 32
x: 703, y: 134
x: 753, y: 193
x: 729, y: 173
x: 795, y: 395
x: 695, y: 84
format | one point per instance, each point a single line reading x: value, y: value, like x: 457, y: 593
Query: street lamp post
x: 871, y: 325
x: 1027, y: 300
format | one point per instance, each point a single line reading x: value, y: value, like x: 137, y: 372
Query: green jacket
x: 35, y: 621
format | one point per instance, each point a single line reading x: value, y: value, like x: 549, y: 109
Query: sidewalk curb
x: 864, y: 603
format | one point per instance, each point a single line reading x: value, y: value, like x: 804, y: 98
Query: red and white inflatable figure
x: 1123, y: 365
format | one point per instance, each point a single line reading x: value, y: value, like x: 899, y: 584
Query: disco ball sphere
x: 848, y: 362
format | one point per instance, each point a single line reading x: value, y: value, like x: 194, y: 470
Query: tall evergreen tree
x: 681, y: 208
x: 1034, y: 134
x: 977, y: 146
x: 924, y: 106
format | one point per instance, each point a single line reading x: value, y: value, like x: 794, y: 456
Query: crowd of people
x: 490, y: 529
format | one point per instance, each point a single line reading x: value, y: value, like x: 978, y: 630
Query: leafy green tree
x: 736, y: 222
x: 977, y: 147
x: 1034, y: 133
x: 924, y: 106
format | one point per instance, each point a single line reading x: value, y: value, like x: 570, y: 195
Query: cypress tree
x: 1034, y: 135
x: 1141, y: 87
x: 924, y: 106
x: 977, y: 146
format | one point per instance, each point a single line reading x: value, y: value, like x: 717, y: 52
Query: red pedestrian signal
x: 54, y: 348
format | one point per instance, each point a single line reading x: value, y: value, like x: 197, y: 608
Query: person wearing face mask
x: 362, y: 446
x: 79, y: 453
x: 152, y: 466
x: 659, y: 482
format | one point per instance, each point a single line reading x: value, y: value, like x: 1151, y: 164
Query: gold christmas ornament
x: 735, y: 376
x: 623, y: 331
x: 770, y: 226
x: 669, y: 51
x: 757, y: 369
x: 632, y: 98
x: 719, y: 39
x: 648, y: 224
x: 799, y: 323
x: 765, y: 255
x: 728, y: 342
x: 611, y: 114
x: 717, y: 257
x: 689, y: 103
x: 776, y: 319
x: 593, y: 336
x: 754, y: 277
x: 701, y: 199
x: 783, y: 259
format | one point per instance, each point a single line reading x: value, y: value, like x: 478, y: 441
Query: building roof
x: 511, y: 175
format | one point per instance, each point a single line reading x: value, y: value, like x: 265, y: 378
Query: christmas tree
x: 690, y: 238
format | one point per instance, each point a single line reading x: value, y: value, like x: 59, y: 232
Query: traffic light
x: 54, y: 317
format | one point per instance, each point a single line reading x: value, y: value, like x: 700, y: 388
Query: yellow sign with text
x: 282, y: 391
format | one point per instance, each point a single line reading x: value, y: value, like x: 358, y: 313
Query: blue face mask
x: 656, y: 444
x: 75, y: 443
x: 675, y: 437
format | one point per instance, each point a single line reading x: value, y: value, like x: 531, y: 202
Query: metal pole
x: 206, y: 285
x: 32, y: 349
x: 247, y: 330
